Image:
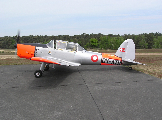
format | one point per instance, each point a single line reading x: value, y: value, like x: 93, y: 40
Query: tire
x: 38, y: 73
x: 130, y: 68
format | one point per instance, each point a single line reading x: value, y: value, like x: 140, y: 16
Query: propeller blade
x: 18, y: 37
x: 16, y: 51
x: 17, y: 40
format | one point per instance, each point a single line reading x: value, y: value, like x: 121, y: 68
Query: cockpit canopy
x: 65, y: 45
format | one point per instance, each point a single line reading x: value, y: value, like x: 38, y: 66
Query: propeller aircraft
x: 72, y: 54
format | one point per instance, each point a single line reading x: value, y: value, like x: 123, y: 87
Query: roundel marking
x: 94, y: 58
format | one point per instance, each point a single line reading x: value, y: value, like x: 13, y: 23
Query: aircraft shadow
x: 105, y: 68
x: 54, y: 77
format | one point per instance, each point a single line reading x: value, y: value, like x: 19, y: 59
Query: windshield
x: 51, y: 44
x: 80, y: 48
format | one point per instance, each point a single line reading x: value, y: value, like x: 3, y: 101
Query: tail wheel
x: 38, y: 73
x: 46, y: 67
x: 130, y: 68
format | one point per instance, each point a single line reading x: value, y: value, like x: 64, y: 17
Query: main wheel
x: 46, y: 67
x: 38, y: 73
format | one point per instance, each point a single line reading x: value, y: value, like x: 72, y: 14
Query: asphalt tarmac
x: 79, y: 93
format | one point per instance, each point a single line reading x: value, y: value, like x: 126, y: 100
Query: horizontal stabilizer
x: 130, y: 62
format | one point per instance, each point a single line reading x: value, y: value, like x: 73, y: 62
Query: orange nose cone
x: 25, y: 51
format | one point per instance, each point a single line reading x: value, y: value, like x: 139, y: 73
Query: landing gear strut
x: 46, y: 67
x: 38, y: 73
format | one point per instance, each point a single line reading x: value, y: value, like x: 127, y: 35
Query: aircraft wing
x: 130, y: 62
x: 54, y: 61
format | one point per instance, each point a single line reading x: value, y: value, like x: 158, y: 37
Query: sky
x: 75, y: 17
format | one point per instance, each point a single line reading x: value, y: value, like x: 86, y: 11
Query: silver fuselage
x: 83, y: 57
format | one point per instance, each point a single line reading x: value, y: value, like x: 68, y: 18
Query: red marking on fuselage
x: 122, y: 49
x: 94, y: 58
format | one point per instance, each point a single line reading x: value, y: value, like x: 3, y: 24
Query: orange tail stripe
x: 105, y: 55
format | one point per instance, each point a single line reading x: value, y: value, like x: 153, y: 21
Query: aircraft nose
x: 15, y: 45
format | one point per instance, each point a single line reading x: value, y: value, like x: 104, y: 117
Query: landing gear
x: 130, y: 68
x: 38, y: 73
x: 46, y: 67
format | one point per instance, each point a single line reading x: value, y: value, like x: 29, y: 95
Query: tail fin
x: 126, y: 50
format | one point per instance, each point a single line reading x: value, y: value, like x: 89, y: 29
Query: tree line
x: 99, y: 41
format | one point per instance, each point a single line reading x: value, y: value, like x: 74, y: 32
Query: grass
x: 10, y: 61
x: 148, y: 50
x: 7, y: 51
x: 153, y: 65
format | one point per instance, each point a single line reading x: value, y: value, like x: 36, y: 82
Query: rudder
x: 126, y: 50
